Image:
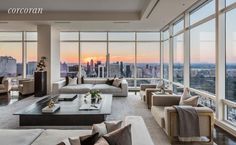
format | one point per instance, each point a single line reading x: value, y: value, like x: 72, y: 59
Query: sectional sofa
x: 88, y: 84
x: 139, y: 133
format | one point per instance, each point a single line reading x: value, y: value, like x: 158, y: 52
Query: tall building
x: 114, y: 70
x: 91, y: 65
x: 19, y: 69
x: 64, y: 69
x: 128, y: 71
x: 8, y: 66
x: 31, y: 67
x: 122, y: 68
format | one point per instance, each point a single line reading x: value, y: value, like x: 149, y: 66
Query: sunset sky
x: 202, y: 44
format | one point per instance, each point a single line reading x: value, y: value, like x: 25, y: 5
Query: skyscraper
x: 8, y: 66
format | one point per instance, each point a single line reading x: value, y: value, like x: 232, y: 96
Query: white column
x: 49, y: 46
x: 135, y: 62
x: 161, y: 55
x: 186, y: 51
x: 171, y: 56
x: 79, y: 59
x: 220, y: 60
x: 24, y: 55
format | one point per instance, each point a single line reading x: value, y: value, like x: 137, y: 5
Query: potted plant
x: 95, y: 96
x: 41, y: 66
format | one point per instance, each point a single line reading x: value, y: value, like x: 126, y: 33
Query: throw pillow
x: 193, y: 101
x: 100, y: 128
x: 101, y: 141
x: 160, y: 84
x: 72, y: 81
x: 110, y: 81
x: 89, y: 139
x: 82, y: 80
x: 106, y: 127
x: 117, y: 82
x: 120, y: 136
x: 186, y: 95
x: 112, y: 125
x: 74, y: 141
x: 61, y: 143
x: 85, y: 140
x: 1, y: 79
x: 67, y: 80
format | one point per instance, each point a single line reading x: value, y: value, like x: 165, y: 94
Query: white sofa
x: 139, y: 132
x: 60, y: 87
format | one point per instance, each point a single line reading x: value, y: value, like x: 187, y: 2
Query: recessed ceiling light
x: 62, y: 22
x: 120, y: 22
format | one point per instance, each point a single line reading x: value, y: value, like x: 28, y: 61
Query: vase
x: 40, y: 84
x: 93, y: 100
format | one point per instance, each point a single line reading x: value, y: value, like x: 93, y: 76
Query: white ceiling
x: 89, y: 14
x: 76, y: 5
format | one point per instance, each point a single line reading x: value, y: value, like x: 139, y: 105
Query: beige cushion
x: 106, y: 127
x: 140, y: 134
x: 100, y: 128
x: 84, y: 140
x: 160, y: 84
x: 19, y: 136
x: 72, y: 81
x: 186, y: 95
x: 101, y: 141
x: 117, y: 82
x: 76, y: 89
x: 158, y: 114
x: 74, y: 141
x: 2, y: 87
x: 193, y: 101
x: 53, y: 137
x: 106, y: 89
x: 120, y: 136
x: 112, y: 125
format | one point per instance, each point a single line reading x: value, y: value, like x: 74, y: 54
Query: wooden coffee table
x: 68, y: 114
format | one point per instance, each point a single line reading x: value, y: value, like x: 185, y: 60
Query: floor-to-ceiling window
x: 178, y: 52
x: 93, y: 50
x: 148, y: 57
x: 121, y: 54
x: 31, y: 53
x: 230, y: 79
x: 205, y: 56
x: 69, y: 53
x: 110, y: 54
x: 202, y: 50
x: 202, y: 11
x: 12, y: 53
x: 229, y: 2
x: 166, y: 53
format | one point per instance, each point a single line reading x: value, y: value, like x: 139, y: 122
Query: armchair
x: 146, y: 91
x: 5, y: 86
x: 166, y: 117
x: 26, y: 87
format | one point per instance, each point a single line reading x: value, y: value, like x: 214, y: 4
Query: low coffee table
x: 68, y: 114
